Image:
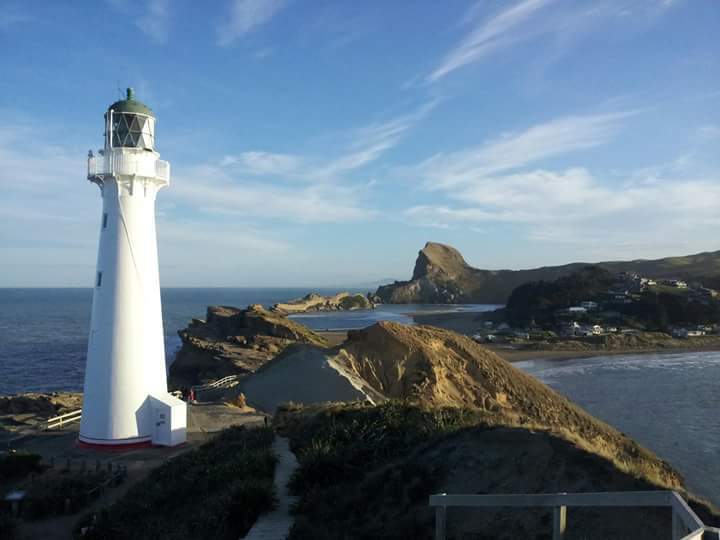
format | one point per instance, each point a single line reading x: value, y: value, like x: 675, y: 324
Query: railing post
x: 559, y: 522
x: 440, y: 518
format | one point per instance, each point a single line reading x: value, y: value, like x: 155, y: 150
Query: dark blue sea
x: 43, y: 332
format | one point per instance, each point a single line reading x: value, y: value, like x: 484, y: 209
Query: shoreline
x: 523, y: 355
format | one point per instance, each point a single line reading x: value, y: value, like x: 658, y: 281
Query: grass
x: 339, y: 446
x: 46, y: 495
x: 216, y: 491
x: 365, y: 469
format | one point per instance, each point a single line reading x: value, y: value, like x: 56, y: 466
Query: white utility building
x: 126, y: 400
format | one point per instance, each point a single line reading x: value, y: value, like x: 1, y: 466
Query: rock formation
x: 21, y: 412
x: 40, y: 405
x: 234, y: 341
x: 343, y: 301
x: 442, y: 276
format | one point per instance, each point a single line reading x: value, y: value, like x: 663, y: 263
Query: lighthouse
x: 126, y: 402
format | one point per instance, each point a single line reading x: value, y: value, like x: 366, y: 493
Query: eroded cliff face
x: 441, y: 276
x: 234, y: 341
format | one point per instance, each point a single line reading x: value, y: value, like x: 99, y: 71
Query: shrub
x: 215, y: 491
x: 17, y: 465
x: 354, y: 450
x: 8, y: 526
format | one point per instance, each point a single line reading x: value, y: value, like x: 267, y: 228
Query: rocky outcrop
x: 315, y: 302
x: 40, y: 405
x: 22, y: 412
x: 234, y: 341
x: 442, y: 276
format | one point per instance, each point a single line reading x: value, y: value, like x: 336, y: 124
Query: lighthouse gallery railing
x: 113, y: 164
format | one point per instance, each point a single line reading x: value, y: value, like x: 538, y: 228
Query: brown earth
x: 439, y: 368
x: 234, y: 341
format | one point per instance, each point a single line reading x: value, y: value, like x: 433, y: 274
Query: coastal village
x: 603, y: 314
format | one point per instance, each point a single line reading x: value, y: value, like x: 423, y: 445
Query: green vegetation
x: 660, y: 310
x: 17, y: 465
x: 216, y: 491
x: 539, y: 299
x: 366, y: 471
x: 655, y: 308
x: 47, y: 494
x: 346, y: 451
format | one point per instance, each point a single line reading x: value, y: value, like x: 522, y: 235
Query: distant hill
x: 441, y: 276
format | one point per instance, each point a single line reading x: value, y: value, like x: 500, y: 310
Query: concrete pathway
x: 276, y: 525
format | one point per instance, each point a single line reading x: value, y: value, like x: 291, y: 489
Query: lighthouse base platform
x: 165, y: 425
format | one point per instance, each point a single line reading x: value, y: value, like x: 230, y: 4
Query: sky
x: 322, y: 143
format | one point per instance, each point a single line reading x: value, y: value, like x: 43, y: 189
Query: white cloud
x: 663, y: 208
x: 488, y: 35
x: 245, y: 16
x: 155, y: 22
x: 511, y: 151
x: 573, y: 206
x: 214, y: 191
x: 265, y: 163
x: 362, y: 147
x: 562, y: 23
x: 709, y: 132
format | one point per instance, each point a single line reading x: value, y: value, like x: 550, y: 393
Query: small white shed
x: 170, y: 420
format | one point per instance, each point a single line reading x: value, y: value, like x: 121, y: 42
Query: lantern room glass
x: 132, y: 130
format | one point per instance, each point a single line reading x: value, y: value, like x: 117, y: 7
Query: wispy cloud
x: 214, y: 191
x: 676, y: 202
x: 488, y: 35
x: 245, y: 16
x: 562, y: 23
x: 296, y: 188
x: 553, y: 138
x: 362, y: 147
x: 709, y: 132
x: 155, y: 23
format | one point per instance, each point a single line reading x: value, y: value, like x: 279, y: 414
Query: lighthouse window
x: 131, y: 130
x: 104, y: 225
x: 99, y: 279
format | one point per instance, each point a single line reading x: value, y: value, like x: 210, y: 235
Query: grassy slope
x: 216, y: 492
x: 366, y: 473
x: 438, y: 367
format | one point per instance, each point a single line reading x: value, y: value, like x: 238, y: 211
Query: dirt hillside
x: 439, y: 368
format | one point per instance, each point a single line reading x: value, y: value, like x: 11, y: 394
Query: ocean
x: 43, y: 332
x: 667, y: 402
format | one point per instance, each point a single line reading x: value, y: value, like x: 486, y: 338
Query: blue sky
x: 324, y: 142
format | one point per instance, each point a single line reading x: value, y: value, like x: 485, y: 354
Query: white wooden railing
x: 216, y: 384
x: 63, y: 419
x: 686, y: 525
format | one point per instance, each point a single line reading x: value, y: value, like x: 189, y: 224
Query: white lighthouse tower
x: 126, y: 400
